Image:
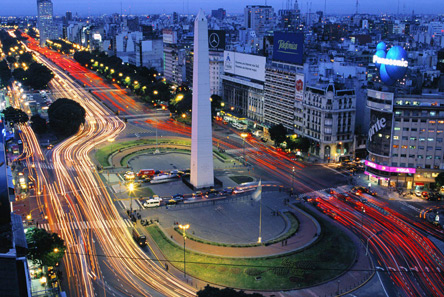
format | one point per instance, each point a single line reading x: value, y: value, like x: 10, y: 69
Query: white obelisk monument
x: 202, y: 169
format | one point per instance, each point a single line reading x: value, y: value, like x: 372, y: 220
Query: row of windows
x: 429, y: 148
x: 428, y: 157
x: 421, y: 139
x: 423, y: 130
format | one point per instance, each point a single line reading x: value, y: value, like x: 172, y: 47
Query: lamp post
x: 244, y: 135
x: 368, y: 239
x: 130, y: 190
x: 292, y: 180
x: 362, y: 221
x: 184, y: 228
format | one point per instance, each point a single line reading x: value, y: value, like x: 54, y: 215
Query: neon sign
x: 392, y: 64
x: 390, y: 169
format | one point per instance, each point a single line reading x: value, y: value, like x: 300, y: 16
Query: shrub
x: 253, y: 271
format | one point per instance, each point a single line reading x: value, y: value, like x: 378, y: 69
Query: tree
x: 209, y: 291
x: 38, y: 124
x: 439, y: 180
x: 65, y: 117
x: 5, y: 74
x: 38, y: 76
x: 44, y: 248
x: 278, y: 134
x: 15, y: 116
x: 216, y: 100
x: 26, y: 58
x: 303, y: 143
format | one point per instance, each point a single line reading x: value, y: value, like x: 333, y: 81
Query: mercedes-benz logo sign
x: 214, y: 40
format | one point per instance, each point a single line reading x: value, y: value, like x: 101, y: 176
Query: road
x: 74, y: 196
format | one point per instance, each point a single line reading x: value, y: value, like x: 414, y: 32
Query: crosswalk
x: 86, y: 225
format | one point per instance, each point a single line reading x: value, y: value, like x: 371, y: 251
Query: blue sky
x: 94, y: 7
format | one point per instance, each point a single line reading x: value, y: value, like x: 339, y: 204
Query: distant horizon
x: 100, y: 7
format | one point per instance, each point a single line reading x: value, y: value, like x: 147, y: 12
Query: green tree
x: 216, y: 100
x: 65, y: 117
x: 278, y: 134
x: 38, y: 124
x: 15, y: 116
x: 209, y: 291
x: 439, y: 180
x: 44, y: 248
x: 26, y: 58
x: 5, y: 74
x: 38, y: 76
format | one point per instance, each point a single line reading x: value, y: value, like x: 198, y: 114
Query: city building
x: 283, y: 96
x: 219, y: 13
x: 329, y: 120
x: 260, y: 18
x: 405, y: 139
x: 45, y: 22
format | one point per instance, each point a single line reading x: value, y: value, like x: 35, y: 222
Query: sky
x: 95, y: 7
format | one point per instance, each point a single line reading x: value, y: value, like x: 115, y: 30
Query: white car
x: 129, y: 175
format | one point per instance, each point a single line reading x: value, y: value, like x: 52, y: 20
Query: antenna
x: 357, y: 5
x: 398, y: 7
x: 325, y: 7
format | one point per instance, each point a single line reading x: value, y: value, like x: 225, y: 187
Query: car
x: 50, y: 147
x: 178, y: 197
x: 171, y: 202
x: 19, y: 142
x: 31, y: 185
x: 198, y: 193
x: 263, y: 139
x: 425, y: 195
x: 227, y: 191
x: 129, y: 175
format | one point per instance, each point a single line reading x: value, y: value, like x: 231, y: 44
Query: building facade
x: 260, y: 18
x: 45, y: 24
x: 405, y: 139
x: 283, y: 96
x: 329, y: 121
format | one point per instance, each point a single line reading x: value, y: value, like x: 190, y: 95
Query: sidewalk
x: 308, y: 232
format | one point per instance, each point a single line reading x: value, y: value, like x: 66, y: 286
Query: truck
x: 143, y: 173
x: 139, y: 239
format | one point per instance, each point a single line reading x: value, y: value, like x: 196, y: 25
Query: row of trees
x: 278, y: 133
x: 25, y: 68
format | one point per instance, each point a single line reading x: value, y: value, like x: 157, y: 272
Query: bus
x: 240, y: 126
x: 164, y: 178
x: 139, y: 239
x: 153, y: 202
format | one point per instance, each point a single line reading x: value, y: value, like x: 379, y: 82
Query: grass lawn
x: 238, y: 179
x: 331, y: 255
x: 104, y: 152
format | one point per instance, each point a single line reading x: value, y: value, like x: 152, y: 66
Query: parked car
x: 178, y: 197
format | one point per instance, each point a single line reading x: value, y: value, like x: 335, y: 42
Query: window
x: 394, y: 164
x: 397, y: 128
x: 403, y: 155
x: 440, y: 122
x: 412, y: 157
x: 429, y: 148
x: 396, y: 137
x: 412, y: 147
x: 430, y: 139
x: 413, y: 138
x: 422, y: 130
x: 395, y: 146
x: 437, y: 158
x: 429, y: 157
x: 438, y: 148
x: 432, y: 122
x: 421, y: 147
x: 405, y: 129
x: 439, y: 140
x: 394, y: 155
x: 414, y: 129
x: 420, y: 157
x: 398, y: 112
x: 405, y: 138
x: 404, y: 146
x: 433, y: 113
x: 421, y: 139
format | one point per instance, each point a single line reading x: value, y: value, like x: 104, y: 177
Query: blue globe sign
x: 392, y: 64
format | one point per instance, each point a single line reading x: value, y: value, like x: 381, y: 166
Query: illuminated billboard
x: 249, y: 66
x: 392, y: 64
x: 216, y: 40
x: 389, y: 168
x: 288, y: 47
x: 379, y: 134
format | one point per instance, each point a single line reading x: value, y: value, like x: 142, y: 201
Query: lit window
x: 396, y: 137
x: 432, y: 122
x: 395, y: 146
x: 404, y: 146
x: 412, y: 147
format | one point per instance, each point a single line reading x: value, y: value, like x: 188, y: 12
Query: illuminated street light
x: 244, y: 135
x: 56, y: 250
x: 131, y: 190
x: 155, y: 92
x: 184, y: 115
x: 29, y: 217
x: 184, y: 228
x: 43, y: 280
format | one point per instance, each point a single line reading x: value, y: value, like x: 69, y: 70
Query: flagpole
x: 260, y: 222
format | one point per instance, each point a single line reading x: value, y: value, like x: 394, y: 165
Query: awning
x: 419, y: 184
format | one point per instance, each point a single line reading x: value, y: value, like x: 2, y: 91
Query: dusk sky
x: 94, y: 7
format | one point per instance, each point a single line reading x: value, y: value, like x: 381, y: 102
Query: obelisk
x: 202, y: 169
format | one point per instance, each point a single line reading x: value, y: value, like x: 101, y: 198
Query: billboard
x: 392, y: 64
x: 249, y: 66
x: 288, y: 47
x: 379, y: 134
x: 390, y: 169
x: 216, y: 40
x: 169, y: 36
x: 300, y: 85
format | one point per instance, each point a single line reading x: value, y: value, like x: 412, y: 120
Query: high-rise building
x: 68, y: 16
x: 219, y: 13
x: 45, y: 20
x: 260, y: 18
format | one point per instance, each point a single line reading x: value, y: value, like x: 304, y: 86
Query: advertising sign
x: 249, y: 66
x: 392, y: 64
x: 288, y: 47
x: 216, y: 40
x: 379, y: 134
x: 300, y: 85
x: 169, y: 36
x: 390, y: 169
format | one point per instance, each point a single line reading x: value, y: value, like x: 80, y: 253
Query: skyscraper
x: 259, y: 18
x: 202, y: 168
x: 44, y: 20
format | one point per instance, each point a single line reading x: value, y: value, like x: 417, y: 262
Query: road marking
x: 84, y: 225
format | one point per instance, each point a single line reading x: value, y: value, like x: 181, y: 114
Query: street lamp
x: 244, y: 135
x: 292, y: 180
x: 184, y: 228
x: 362, y: 221
x: 368, y: 239
x: 131, y: 190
